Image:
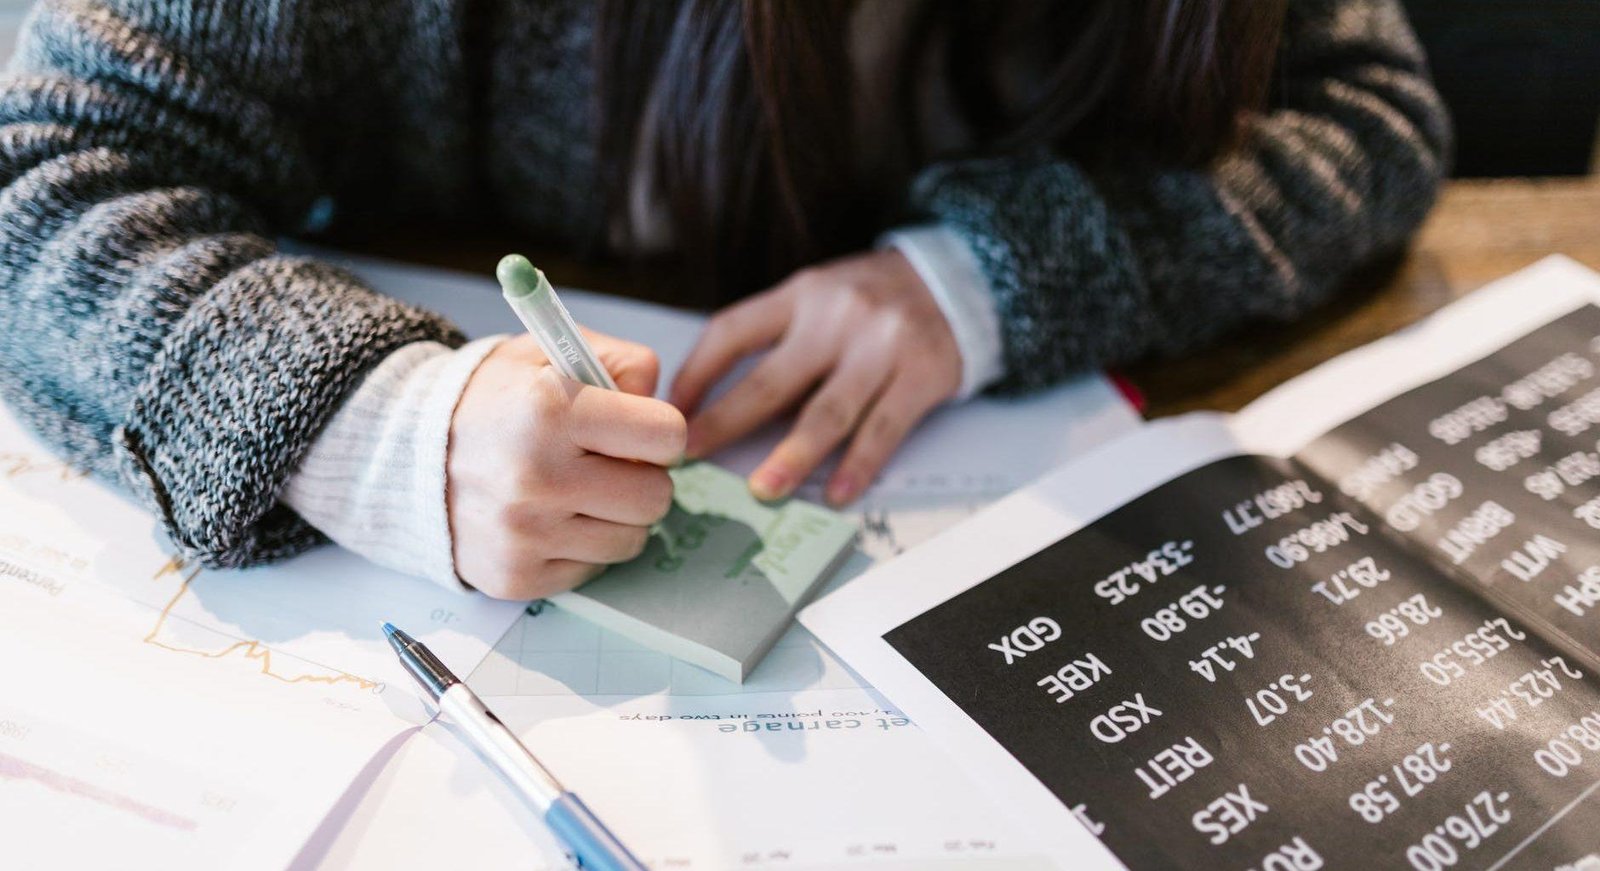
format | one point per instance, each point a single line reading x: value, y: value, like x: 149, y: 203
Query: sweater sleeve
x: 1097, y: 267
x: 149, y: 152
x: 374, y: 480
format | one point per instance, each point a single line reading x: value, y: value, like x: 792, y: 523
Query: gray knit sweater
x: 152, y: 150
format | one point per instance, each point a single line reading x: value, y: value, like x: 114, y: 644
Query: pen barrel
x: 535, y: 302
x: 499, y: 747
x: 593, y: 844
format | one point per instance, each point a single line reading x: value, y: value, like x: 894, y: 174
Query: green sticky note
x: 723, y: 574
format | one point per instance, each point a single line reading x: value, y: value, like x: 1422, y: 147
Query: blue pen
x: 591, y: 844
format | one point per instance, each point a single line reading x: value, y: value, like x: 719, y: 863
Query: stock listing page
x: 1377, y: 653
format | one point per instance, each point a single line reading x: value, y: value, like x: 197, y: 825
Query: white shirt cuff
x: 945, y: 263
x: 374, y: 478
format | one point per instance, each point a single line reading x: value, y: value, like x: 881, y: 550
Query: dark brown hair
x: 754, y: 151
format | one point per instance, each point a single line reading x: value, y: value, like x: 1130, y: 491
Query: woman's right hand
x: 550, y: 480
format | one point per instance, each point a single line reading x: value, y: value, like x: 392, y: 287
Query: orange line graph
x: 250, y: 650
x: 15, y: 465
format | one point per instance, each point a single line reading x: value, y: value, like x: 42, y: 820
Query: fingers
x: 884, y: 427
x: 733, y: 334
x: 635, y: 494
x: 634, y: 367
x: 626, y: 426
x: 547, y: 578
x: 776, y: 383
x: 828, y: 417
x: 561, y: 575
x: 520, y: 577
x: 601, y: 542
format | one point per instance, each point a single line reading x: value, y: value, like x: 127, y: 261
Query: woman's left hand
x: 859, y: 341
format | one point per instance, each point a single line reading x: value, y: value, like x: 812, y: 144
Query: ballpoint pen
x: 592, y: 845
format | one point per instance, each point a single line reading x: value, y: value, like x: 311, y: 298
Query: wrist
x: 951, y: 272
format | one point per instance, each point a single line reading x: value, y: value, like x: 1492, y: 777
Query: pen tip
x: 389, y: 630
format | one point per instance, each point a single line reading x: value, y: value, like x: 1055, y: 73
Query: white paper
x: 853, y: 620
x: 679, y: 791
x: 157, y: 715
x: 117, y: 753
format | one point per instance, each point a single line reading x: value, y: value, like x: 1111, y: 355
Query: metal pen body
x: 591, y: 843
x: 499, y: 747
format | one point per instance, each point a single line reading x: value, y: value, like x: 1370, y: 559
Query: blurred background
x: 1522, y: 78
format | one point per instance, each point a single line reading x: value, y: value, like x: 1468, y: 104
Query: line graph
x: 82, y: 792
x: 58, y: 549
x: 248, y: 649
x: 13, y: 768
x: 15, y: 464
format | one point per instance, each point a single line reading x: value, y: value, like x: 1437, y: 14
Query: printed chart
x: 143, y: 692
x: 65, y: 781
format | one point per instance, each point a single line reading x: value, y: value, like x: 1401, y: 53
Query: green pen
x: 530, y: 295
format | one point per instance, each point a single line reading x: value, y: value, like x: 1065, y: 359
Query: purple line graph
x: 12, y: 768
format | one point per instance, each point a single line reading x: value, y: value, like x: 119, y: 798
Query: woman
x: 905, y: 202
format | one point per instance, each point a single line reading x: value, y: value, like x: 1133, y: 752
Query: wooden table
x: 1479, y: 231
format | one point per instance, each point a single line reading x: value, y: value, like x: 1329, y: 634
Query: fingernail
x: 769, y: 484
x: 691, y: 444
x: 841, y: 489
